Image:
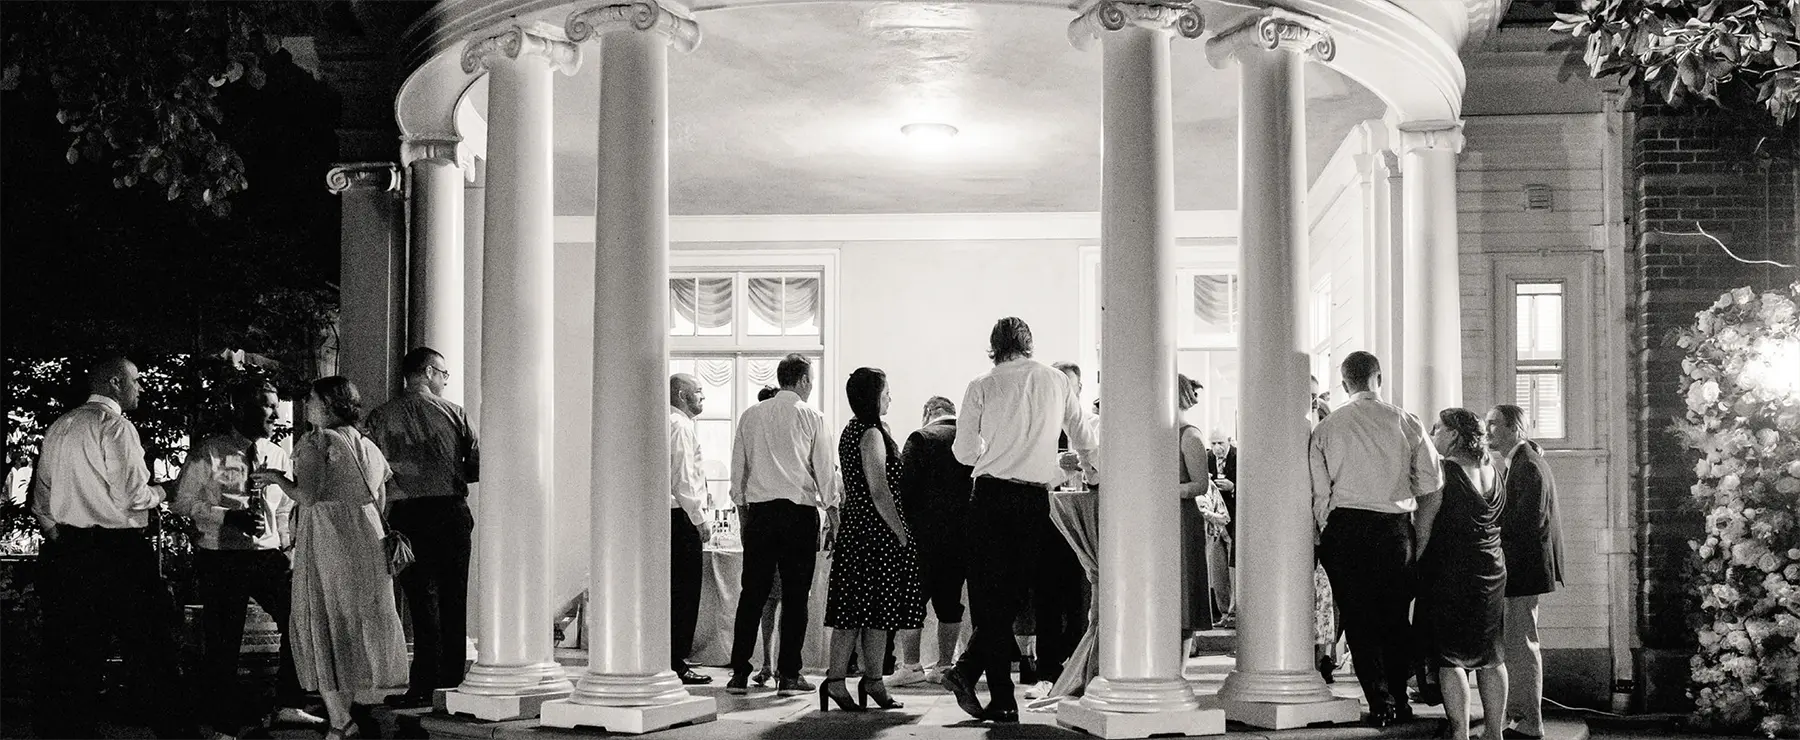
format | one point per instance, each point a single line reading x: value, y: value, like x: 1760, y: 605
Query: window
x: 730, y: 328
x: 1319, y: 332
x: 1538, y: 365
x: 1213, y: 301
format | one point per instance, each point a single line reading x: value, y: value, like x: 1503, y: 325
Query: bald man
x: 687, y: 523
x: 98, y: 574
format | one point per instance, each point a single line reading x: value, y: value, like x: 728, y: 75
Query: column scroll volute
x: 539, y: 40
x: 1273, y: 29
x: 648, y: 16
x: 1181, y: 17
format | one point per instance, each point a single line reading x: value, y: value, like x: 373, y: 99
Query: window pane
x: 765, y: 295
x: 1537, y: 323
x: 681, y: 307
x: 715, y: 374
x: 715, y: 447
x: 714, y: 300
x: 1541, y: 395
x: 758, y: 373
x: 800, y: 306
x: 681, y: 366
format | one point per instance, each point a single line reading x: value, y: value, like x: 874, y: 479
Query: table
x: 1077, y: 515
x: 721, y: 580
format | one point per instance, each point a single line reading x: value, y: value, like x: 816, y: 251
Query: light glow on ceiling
x: 929, y: 136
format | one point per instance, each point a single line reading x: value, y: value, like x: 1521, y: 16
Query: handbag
x: 395, y: 545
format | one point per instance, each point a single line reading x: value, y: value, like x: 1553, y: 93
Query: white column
x: 1431, y: 310
x: 435, y: 267
x: 1275, y: 684
x: 1140, y: 690
x: 628, y: 686
x: 474, y: 200
x: 516, y: 670
x: 369, y: 277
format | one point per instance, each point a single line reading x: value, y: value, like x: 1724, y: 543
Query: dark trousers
x: 684, y: 588
x: 1368, y: 557
x: 227, y: 581
x: 96, y: 586
x: 436, y: 586
x: 1059, y: 599
x: 1003, y: 558
x: 778, y: 536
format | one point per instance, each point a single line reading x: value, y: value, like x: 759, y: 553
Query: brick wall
x: 1736, y: 177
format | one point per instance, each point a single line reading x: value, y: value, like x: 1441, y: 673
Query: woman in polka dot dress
x: 874, y: 586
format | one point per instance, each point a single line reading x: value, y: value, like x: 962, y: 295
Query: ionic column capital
x: 1412, y: 136
x: 1273, y: 29
x: 539, y: 40
x: 1179, y: 16
x: 447, y: 147
x: 638, y: 15
x: 348, y: 176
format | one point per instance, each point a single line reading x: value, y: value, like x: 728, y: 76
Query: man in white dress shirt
x: 1370, y: 462
x: 244, y: 529
x: 1011, y: 417
x: 688, y: 527
x: 98, y: 573
x: 783, y: 472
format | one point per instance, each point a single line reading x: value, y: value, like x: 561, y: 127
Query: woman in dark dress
x: 874, y: 586
x: 1462, y: 575
x: 1196, y: 490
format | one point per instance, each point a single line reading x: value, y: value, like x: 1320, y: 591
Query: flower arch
x: 1741, y: 379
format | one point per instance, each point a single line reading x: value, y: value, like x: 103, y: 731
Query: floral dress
x: 874, y: 581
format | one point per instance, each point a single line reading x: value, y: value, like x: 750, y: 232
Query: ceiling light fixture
x: 929, y: 134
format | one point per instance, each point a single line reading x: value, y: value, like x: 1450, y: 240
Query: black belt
x: 1015, y: 481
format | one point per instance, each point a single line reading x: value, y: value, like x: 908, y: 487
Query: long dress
x: 346, y: 633
x: 1196, y: 594
x: 874, y: 582
x: 1462, y: 575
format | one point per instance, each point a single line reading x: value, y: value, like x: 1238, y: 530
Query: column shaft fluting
x: 435, y: 272
x: 515, y: 653
x: 1431, y: 308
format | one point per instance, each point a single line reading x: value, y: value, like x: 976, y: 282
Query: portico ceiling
x: 798, y: 109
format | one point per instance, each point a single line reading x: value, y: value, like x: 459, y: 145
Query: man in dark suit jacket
x: 1221, y: 464
x: 937, y: 490
x: 1531, y: 538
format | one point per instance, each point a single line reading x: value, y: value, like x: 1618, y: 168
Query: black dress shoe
x: 1403, y: 713
x: 691, y: 678
x: 1002, y: 716
x: 1380, y: 718
x: 964, y: 688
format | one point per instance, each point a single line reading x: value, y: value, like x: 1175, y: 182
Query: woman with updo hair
x: 346, y: 633
x: 1462, y: 575
x: 874, y: 588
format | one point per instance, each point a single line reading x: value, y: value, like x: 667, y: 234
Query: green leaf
x: 1785, y: 54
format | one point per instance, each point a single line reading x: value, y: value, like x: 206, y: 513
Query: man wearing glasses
x: 435, y: 456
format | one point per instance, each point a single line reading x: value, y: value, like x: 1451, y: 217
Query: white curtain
x: 706, y: 302
x: 784, y: 302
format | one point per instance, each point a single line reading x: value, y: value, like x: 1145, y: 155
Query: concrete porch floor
x: 930, y: 712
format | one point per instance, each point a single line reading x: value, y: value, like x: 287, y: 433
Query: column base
x: 499, y: 708
x: 1071, y: 713
x: 1270, y: 716
x: 629, y: 720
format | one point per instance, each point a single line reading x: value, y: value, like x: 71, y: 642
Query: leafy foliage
x: 137, y: 84
x: 1718, y: 50
x: 1741, y: 379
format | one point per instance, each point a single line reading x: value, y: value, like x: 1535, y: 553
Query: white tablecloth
x: 721, y: 580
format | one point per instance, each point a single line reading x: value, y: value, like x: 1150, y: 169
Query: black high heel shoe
x: 877, y: 688
x: 841, y: 696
